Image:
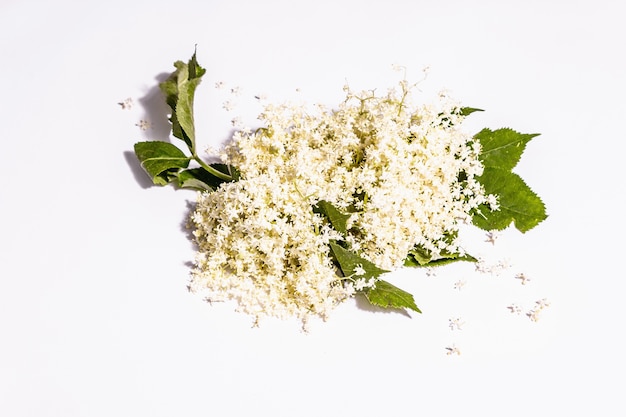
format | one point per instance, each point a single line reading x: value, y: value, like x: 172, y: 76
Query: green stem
x: 212, y: 170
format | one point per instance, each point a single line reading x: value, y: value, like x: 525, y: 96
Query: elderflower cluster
x: 405, y: 173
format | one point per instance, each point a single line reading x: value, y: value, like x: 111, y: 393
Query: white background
x: 95, y: 318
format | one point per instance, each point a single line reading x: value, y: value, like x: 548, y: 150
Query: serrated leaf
x: 336, y: 218
x: 518, y: 203
x: 466, y: 111
x: 200, y: 178
x: 161, y: 160
x: 179, y: 90
x: 411, y: 262
x: 348, y: 262
x: 387, y: 295
x: 502, y: 148
x: 445, y: 260
x: 184, y: 109
x: 420, y: 257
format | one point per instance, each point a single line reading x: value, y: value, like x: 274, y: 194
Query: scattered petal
x: 143, y: 124
x: 453, y: 350
x: 523, y: 278
x: 126, y: 104
x: 515, y: 309
x: 455, y: 324
x: 459, y: 285
x: 492, y: 236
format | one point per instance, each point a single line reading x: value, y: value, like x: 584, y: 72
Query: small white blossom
x: 453, y: 350
x: 143, y: 124
x: 515, y: 309
x: 219, y: 85
x: 459, y: 285
x: 534, y: 314
x: 492, y: 201
x: 228, y: 105
x: 524, y: 279
x: 236, y: 122
x: 494, y: 269
x: 540, y: 305
x: 126, y: 103
x: 349, y: 289
x: 492, y: 236
x: 358, y: 270
x: 360, y: 284
x: 455, y: 324
x: 261, y: 245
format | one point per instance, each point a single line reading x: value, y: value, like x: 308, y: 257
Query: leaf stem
x: 210, y: 169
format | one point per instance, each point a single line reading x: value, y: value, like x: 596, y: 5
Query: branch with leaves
x: 500, y: 151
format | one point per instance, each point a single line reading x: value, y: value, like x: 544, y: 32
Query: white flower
x: 515, y: 309
x: 453, y: 350
x: 126, y: 103
x: 492, y: 236
x: 394, y: 165
x: 358, y: 270
x: 524, y: 279
x: 143, y: 124
x: 455, y: 324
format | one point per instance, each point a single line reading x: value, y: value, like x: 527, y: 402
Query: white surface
x: 95, y: 319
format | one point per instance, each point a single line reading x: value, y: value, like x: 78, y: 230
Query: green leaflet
x: 466, y: 111
x: 336, y: 218
x: 200, y: 179
x: 501, y: 150
x: 179, y: 90
x: 518, y: 203
x: 387, y: 295
x: 161, y: 160
x: 348, y: 261
x: 420, y: 257
x: 383, y: 294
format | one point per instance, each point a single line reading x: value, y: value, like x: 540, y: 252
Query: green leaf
x: 448, y: 259
x: 387, y: 295
x: 201, y: 179
x: 502, y: 148
x: 179, y: 90
x: 466, y: 111
x: 518, y: 203
x: 348, y: 261
x: 411, y: 262
x: 420, y: 257
x: 161, y: 160
x: 336, y: 218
